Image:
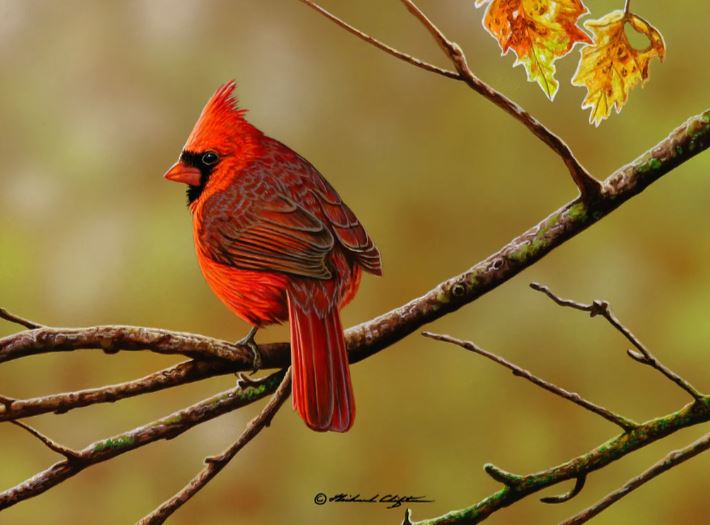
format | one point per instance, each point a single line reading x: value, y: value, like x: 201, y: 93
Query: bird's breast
x: 257, y: 297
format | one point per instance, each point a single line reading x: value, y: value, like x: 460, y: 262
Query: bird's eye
x: 210, y: 158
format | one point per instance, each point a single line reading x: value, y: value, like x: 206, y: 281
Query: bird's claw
x: 249, y: 342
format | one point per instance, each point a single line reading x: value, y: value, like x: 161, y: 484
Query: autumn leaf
x: 538, y: 32
x: 611, y: 67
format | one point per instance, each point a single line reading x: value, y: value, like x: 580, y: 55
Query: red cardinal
x: 275, y: 241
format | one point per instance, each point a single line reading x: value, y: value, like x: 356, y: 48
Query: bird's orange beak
x: 178, y: 172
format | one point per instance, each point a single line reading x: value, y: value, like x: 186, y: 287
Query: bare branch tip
x: 502, y: 476
x: 6, y: 402
x: 212, y: 460
x: 440, y: 337
x: 578, y: 486
x: 69, y: 454
x: 8, y: 316
x: 636, y: 355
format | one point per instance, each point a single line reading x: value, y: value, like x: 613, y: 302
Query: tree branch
x: 69, y: 454
x: 180, y: 374
x: 114, y: 338
x: 589, y: 187
x: 671, y: 460
x: 168, y: 427
x: 517, y: 487
x: 621, y: 421
x: 642, y: 356
x: 214, y: 465
x: 380, y: 45
x: 636, y: 436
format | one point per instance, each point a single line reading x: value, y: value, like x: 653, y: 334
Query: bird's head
x: 221, y: 141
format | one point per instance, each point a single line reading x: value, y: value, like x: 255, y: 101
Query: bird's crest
x: 221, y: 122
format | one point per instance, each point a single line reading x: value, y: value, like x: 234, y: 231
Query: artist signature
x: 393, y: 500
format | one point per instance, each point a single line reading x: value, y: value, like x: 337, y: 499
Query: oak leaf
x: 611, y: 67
x: 538, y: 32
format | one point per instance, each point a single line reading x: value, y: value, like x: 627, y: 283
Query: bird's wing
x: 347, y: 228
x: 274, y: 235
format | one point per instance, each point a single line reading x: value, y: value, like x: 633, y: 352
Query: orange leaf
x: 611, y: 67
x: 538, y: 32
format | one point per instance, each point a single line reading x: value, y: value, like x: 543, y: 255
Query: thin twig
x: 625, y: 423
x: 68, y: 453
x: 449, y: 48
x: 671, y: 460
x: 8, y: 316
x: 381, y: 45
x: 589, y: 187
x: 215, y: 464
x: 627, y: 7
x: 643, y: 355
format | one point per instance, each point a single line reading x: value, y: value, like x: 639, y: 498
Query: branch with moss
x: 673, y: 459
x: 211, y: 357
x: 167, y: 427
x: 633, y: 437
x: 517, y: 487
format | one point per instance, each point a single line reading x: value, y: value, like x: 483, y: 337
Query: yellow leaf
x: 538, y: 32
x: 611, y: 67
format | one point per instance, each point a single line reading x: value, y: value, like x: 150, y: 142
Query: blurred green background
x: 97, y: 100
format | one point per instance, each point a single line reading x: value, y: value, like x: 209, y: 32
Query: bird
x: 276, y: 242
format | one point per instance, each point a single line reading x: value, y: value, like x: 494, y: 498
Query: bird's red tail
x: 322, y: 392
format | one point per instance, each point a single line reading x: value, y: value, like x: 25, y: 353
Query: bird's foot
x: 249, y: 342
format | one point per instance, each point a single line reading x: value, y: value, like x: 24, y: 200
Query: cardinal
x: 275, y: 241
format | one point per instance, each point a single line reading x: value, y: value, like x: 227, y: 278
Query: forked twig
x: 381, y: 45
x: 176, y: 375
x: 70, y: 454
x: 641, y: 354
x: 589, y: 187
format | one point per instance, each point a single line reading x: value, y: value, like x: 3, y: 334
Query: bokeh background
x: 97, y: 100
